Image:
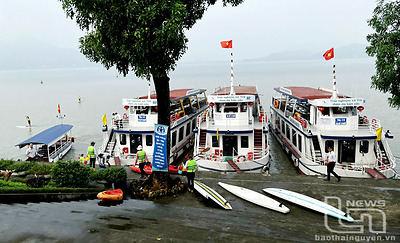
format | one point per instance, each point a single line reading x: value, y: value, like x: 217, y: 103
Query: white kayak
x: 210, y: 193
x: 255, y: 197
x: 308, y: 202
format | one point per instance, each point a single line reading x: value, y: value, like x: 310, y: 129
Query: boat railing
x: 60, y: 149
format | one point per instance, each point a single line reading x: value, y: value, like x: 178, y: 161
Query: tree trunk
x: 161, y: 85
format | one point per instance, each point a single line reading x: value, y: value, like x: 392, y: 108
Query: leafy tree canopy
x: 144, y: 36
x: 385, y: 45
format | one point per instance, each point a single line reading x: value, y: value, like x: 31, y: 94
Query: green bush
x: 41, y: 169
x: 22, y: 166
x: 111, y: 175
x: 70, y: 174
x: 5, y: 163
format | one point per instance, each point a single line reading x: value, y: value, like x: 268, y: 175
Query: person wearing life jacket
x: 190, y: 168
x: 92, y: 154
x: 141, y: 157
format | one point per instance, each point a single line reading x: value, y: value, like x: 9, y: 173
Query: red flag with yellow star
x: 226, y: 44
x: 329, y: 54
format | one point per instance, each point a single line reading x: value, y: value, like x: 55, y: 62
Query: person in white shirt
x: 31, y: 153
x: 330, y: 164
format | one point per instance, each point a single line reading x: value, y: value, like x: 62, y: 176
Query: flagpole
x: 334, y: 94
x: 232, y: 90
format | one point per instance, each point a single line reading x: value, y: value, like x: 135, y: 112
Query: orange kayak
x: 148, y: 169
x: 113, y: 195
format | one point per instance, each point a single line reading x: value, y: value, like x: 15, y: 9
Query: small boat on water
x: 52, y: 143
x: 306, y: 121
x: 137, y: 125
x: 110, y: 196
x: 232, y: 134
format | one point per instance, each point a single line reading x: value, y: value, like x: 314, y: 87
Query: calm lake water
x: 102, y: 92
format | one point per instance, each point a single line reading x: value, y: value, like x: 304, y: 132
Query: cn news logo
x: 372, y: 219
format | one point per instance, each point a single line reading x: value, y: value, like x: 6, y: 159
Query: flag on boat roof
x: 226, y: 44
x: 59, y: 110
x: 329, y: 54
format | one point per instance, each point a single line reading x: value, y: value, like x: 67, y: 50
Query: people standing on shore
x: 29, y: 120
x: 141, y: 157
x: 92, y: 154
x: 330, y: 164
x: 190, y: 168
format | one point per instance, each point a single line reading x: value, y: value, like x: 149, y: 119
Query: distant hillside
x: 343, y: 52
x: 39, y: 55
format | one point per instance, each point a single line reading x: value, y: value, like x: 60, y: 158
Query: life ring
x: 125, y: 150
x: 130, y: 156
x: 125, y: 116
x: 171, y: 119
x: 276, y: 103
x: 365, y: 120
x: 374, y: 122
x: 213, y: 157
x: 347, y: 167
x: 239, y: 158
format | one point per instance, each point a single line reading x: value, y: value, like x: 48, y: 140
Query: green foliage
x: 5, y: 164
x: 22, y: 166
x: 385, y: 46
x: 111, y: 175
x: 11, y: 184
x: 40, y: 169
x: 70, y: 174
x: 147, y: 37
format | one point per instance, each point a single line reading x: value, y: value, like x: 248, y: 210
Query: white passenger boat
x: 137, y: 125
x: 232, y: 134
x: 306, y: 121
x: 52, y: 143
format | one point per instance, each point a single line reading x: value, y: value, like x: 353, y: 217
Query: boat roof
x: 239, y: 90
x: 305, y: 93
x: 178, y: 94
x: 47, y: 136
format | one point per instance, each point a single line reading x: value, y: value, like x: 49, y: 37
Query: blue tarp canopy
x: 47, y: 136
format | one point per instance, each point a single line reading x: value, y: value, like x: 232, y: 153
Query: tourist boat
x: 232, y: 134
x: 111, y: 196
x: 52, y: 143
x: 306, y: 121
x: 137, y: 126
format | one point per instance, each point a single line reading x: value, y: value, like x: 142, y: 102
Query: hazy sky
x: 257, y: 27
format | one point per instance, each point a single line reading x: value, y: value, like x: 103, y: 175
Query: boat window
x: 287, y: 131
x: 325, y: 111
x: 154, y: 109
x: 243, y: 107
x: 347, y: 151
x: 173, y: 139
x: 231, y: 108
x: 194, y: 123
x: 215, y: 142
x: 149, y: 140
x: 283, y: 127
x: 181, y: 130
x: 136, y: 140
x: 329, y: 144
x: 278, y: 122
x: 188, y: 129
x: 294, y: 137
x: 244, y: 141
x: 299, y: 138
x: 218, y: 107
x: 339, y: 110
x: 122, y: 139
x: 364, y: 146
x: 142, y: 110
x: 354, y: 111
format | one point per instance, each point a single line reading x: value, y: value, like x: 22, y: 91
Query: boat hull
x: 222, y: 166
